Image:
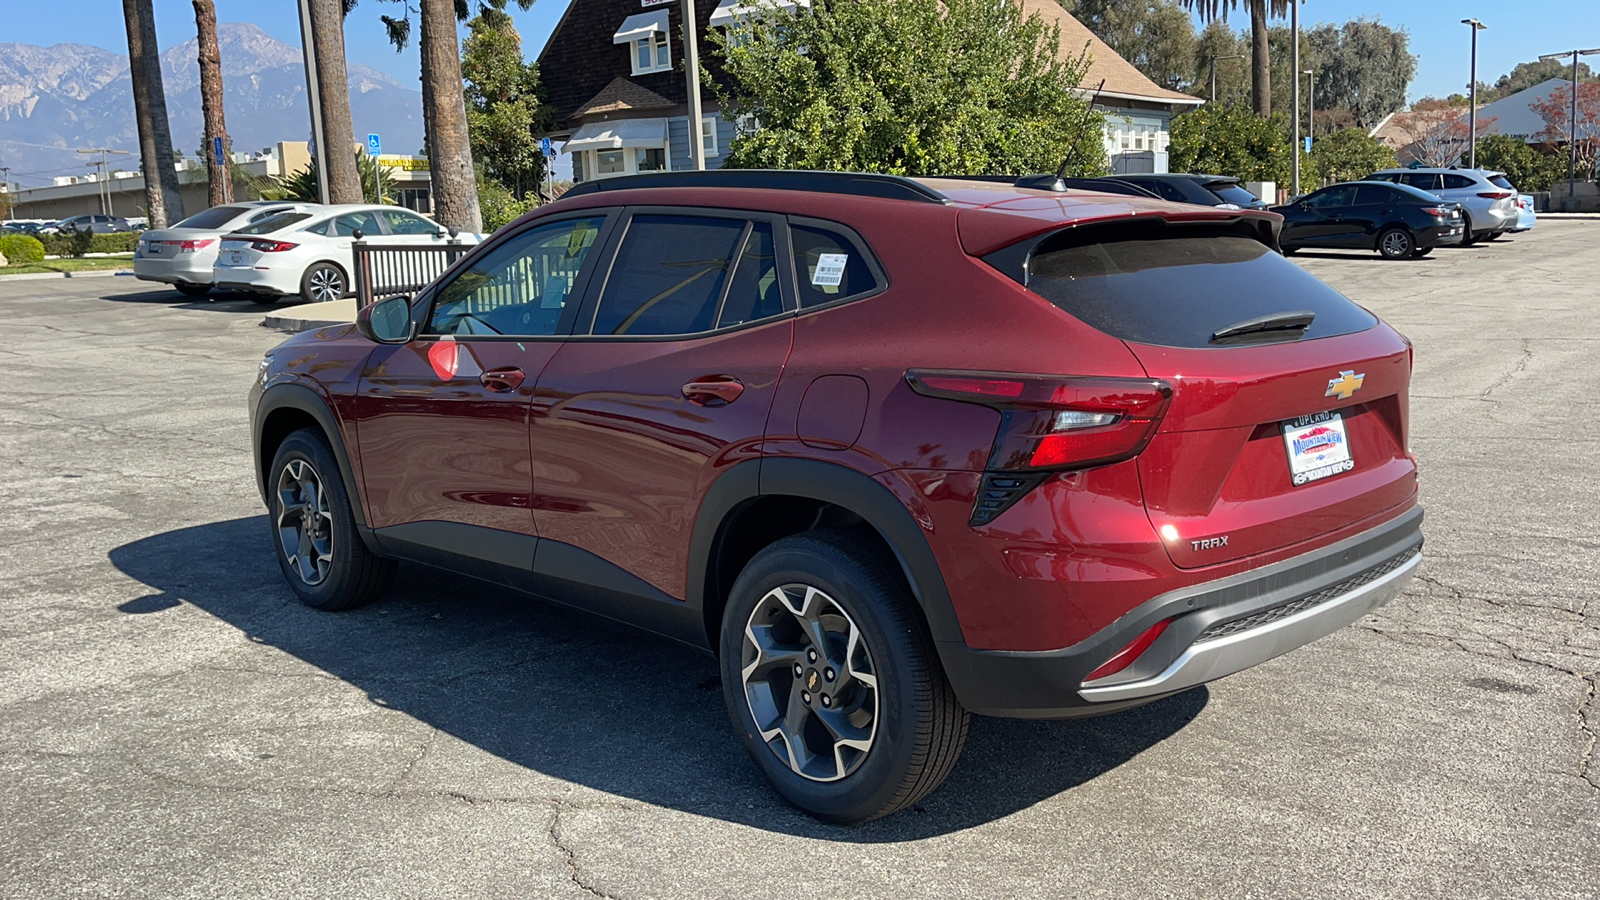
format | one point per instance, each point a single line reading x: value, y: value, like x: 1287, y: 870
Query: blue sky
x: 1438, y: 39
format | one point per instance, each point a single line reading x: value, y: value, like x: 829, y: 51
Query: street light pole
x: 1294, y: 66
x: 697, y: 141
x: 1572, y: 123
x: 1212, y: 97
x: 1311, y: 103
x: 1472, y: 103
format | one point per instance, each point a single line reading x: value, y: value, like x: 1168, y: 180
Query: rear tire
x: 313, y: 529
x: 822, y: 644
x: 1420, y: 252
x: 322, y: 283
x: 193, y: 290
x: 1289, y: 251
x: 1396, y: 243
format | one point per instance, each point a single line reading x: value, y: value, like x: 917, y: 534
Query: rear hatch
x: 1288, y: 415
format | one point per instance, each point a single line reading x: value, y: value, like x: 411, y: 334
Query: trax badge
x: 1346, y: 384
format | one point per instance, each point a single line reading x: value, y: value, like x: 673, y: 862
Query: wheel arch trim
x: 303, y: 399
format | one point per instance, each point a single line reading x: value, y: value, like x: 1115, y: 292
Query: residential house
x: 613, y: 70
x: 1415, y: 135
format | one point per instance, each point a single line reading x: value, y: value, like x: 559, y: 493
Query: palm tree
x: 1260, y: 58
x: 333, y: 87
x: 205, y: 26
x: 161, y: 192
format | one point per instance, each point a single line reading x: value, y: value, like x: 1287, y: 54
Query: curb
x: 297, y: 324
x: 94, y: 273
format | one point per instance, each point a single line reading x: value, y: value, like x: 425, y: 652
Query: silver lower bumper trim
x: 1210, y: 660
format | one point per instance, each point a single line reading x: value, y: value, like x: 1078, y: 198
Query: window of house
x: 577, y: 166
x: 708, y: 135
x: 669, y: 275
x: 650, y: 159
x: 652, y: 53
x: 610, y: 162
x: 521, y: 287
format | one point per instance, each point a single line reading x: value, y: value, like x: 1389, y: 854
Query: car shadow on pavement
x: 595, y: 703
x: 217, y: 301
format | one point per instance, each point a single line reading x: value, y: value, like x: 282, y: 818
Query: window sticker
x: 580, y: 239
x: 830, y: 269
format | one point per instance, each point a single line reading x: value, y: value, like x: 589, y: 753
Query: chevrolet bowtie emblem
x: 1346, y: 384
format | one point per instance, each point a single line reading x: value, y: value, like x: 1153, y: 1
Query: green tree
x: 1217, y: 40
x: 1260, y: 46
x: 910, y: 87
x: 505, y: 106
x: 1349, y: 154
x: 1363, y: 66
x: 1223, y: 140
x: 1525, y: 167
x: 1157, y: 36
x: 1526, y: 75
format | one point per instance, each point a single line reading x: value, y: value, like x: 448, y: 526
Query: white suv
x: 1490, y: 210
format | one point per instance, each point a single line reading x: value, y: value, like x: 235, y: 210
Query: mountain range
x: 66, y: 96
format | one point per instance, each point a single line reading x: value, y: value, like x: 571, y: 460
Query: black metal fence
x: 388, y: 270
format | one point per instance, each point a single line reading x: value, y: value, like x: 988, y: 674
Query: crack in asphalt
x: 1585, y: 768
x: 570, y: 855
x: 1518, y: 369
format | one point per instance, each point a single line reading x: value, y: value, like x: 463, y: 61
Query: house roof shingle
x: 1121, y: 77
x: 622, y: 94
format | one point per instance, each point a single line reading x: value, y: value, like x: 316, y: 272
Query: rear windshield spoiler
x: 1013, y: 260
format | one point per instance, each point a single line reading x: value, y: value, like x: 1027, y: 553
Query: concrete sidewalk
x: 307, y: 316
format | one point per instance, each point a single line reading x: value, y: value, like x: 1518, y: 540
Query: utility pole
x: 103, y: 175
x: 1572, y: 123
x: 1472, y: 103
x: 5, y: 186
x: 314, y: 96
x: 1212, y: 97
x: 691, y: 62
x: 1294, y: 66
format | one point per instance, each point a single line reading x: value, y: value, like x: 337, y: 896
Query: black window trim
x: 584, y: 330
x: 422, y: 306
x: 879, y: 276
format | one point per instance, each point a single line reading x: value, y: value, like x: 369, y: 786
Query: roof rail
x: 859, y: 184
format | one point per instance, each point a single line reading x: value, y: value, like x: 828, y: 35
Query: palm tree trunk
x: 455, y: 191
x: 205, y: 26
x: 1260, y: 60
x: 333, y: 84
x: 163, y: 202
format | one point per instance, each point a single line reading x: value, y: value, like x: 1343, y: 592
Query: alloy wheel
x: 809, y: 680
x: 326, y: 285
x: 305, y: 524
x: 1395, y: 243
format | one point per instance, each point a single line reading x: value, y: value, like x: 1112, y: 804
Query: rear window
x: 1157, y: 284
x: 1232, y: 193
x: 1500, y: 181
x: 215, y: 217
x: 274, y: 223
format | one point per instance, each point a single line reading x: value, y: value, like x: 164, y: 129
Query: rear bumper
x: 1217, y: 628
x: 238, y: 278
x: 188, y: 269
x: 1439, y: 235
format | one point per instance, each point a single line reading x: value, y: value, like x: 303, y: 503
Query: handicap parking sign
x: 372, y: 144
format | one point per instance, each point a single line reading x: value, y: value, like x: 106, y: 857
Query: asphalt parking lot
x: 174, y: 725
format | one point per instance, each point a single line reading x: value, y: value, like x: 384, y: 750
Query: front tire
x: 323, y: 282
x: 832, y: 681
x: 314, y: 530
x: 1396, y: 243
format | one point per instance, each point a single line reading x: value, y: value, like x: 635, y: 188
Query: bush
x: 79, y: 242
x: 499, y: 206
x: 21, y: 249
x: 1349, y: 154
x: 61, y: 244
x: 1526, y: 168
x: 1223, y: 140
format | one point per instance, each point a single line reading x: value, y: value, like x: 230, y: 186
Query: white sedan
x: 184, y: 254
x: 308, y: 252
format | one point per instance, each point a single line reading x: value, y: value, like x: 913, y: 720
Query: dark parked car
x: 97, y: 224
x: 1398, y: 221
x: 893, y: 450
x: 1204, y: 190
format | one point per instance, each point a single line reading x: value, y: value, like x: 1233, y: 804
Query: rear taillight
x: 1436, y: 211
x: 1050, y: 423
x: 1494, y: 195
x: 192, y: 246
x: 272, y: 246
x: 1125, y: 657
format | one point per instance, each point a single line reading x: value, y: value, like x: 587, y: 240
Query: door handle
x: 503, y: 380
x: 713, y: 390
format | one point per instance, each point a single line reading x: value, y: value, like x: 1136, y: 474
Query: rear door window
x: 407, y: 223
x: 1340, y: 195
x: 669, y: 275
x: 1178, y: 285
x: 1372, y: 195
x: 829, y: 265
x: 754, y: 292
x: 1457, y: 182
x: 1230, y: 192
x: 363, y: 221
x: 1427, y: 181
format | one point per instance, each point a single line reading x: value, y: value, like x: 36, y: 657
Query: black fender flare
x: 842, y: 487
x: 292, y: 395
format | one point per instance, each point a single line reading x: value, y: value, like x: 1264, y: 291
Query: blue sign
x: 546, y: 147
x: 1308, y: 143
x: 216, y: 148
x: 373, y: 146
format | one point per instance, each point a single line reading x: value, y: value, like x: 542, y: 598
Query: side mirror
x: 387, y: 321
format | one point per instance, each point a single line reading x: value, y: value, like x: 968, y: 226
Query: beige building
x: 124, y: 191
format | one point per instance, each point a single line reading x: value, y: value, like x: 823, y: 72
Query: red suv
x: 894, y: 450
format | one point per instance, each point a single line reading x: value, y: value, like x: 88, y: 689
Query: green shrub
x: 21, y: 249
x: 1349, y: 154
x: 1526, y: 168
x: 499, y: 206
x: 61, y: 244
x: 1223, y: 140
x: 79, y: 242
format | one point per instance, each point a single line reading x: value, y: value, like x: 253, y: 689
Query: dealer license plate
x: 1318, y: 447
